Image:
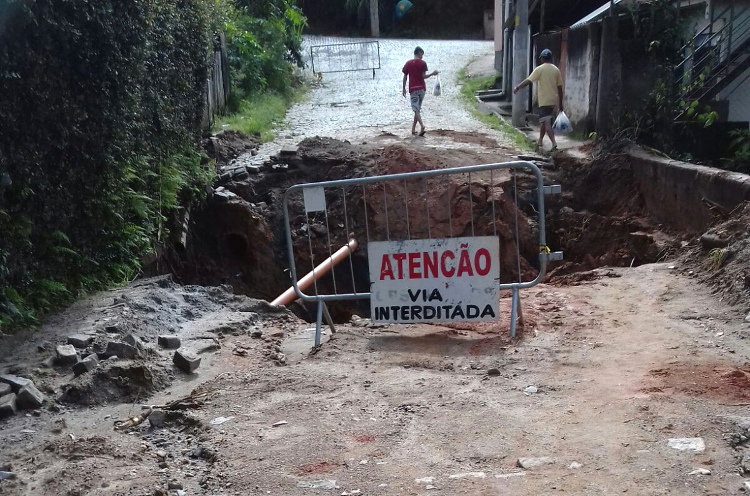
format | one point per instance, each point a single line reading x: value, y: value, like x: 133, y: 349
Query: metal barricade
x: 402, y: 208
x: 345, y: 57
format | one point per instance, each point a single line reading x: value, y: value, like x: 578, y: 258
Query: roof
x: 595, y: 15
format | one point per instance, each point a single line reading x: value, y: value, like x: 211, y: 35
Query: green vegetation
x: 469, y: 87
x: 718, y: 256
x: 260, y: 114
x: 740, y: 149
x: 264, y: 43
x: 101, y: 121
x: 263, y: 38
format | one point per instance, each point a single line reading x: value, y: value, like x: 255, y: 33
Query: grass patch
x: 469, y: 87
x: 261, y: 113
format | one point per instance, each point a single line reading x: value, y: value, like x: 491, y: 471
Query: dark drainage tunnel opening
x: 236, y: 246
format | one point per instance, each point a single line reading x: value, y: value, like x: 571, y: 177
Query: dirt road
x: 621, y: 364
x: 610, y: 366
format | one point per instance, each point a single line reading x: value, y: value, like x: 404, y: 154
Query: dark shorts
x: 545, y: 113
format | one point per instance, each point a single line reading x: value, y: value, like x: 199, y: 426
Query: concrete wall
x: 576, y: 54
x: 489, y: 25
x: 609, y: 91
x: 675, y: 192
x: 639, y: 74
x: 582, y: 76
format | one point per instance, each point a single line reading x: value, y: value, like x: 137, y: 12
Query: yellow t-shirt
x: 549, y: 79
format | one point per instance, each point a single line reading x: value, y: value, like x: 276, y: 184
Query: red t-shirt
x: 416, y: 68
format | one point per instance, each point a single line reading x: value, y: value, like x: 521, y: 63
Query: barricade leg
x: 328, y: 318
x: 513, y: 313
x: 319, y: 322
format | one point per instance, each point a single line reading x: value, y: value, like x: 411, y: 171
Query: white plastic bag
x: 436, y: 89
x: 562, y: 124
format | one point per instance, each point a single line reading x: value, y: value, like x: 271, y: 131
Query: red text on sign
x: 435, y: 264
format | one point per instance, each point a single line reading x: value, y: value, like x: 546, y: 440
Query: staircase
x: 714, y: 59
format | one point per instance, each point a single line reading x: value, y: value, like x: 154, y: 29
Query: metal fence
x: 439, y: 204
x: 345, y: 57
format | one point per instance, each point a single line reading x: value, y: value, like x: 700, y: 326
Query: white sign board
x: 315, y: 199
x: 435, y: 280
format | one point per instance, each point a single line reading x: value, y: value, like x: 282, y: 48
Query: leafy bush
x: 99, y: 120
x: 101, y: 108
x: 740, y: 149
x: 262, y: 37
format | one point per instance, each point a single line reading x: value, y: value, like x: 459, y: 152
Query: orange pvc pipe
x: 324, y: 268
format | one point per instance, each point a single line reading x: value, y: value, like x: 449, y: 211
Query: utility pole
x: 499, y: 33
x: 374, y: 19
x: 520, y: 60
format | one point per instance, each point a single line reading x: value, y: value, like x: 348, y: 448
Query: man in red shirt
x: 416, y: 71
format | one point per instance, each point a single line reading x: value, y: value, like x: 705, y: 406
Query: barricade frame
x: 353, y: 43
x: 545, y: 254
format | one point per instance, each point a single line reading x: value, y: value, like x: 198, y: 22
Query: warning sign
x: 435, y: 280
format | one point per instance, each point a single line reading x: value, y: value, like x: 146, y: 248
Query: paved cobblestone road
x: 355, y: 106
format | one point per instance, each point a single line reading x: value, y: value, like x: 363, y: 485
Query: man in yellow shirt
x: 550, y: 93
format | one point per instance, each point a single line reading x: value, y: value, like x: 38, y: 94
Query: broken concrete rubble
x: 136, y: 343
x: 169, y: 341
x: 186, y: 362
x: 66, y: 354
x: 223, y: 194
x: 687, y: 444
x: 157, y: 418
x: 29, y: 397
x: 532, y: 463
x: 318, y: 484
x: 4, y: 389
x: 15, y: 382
x: 80, y: 341
x: 84, y: 366
x: 121, y: 350
x: 7, y: 405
